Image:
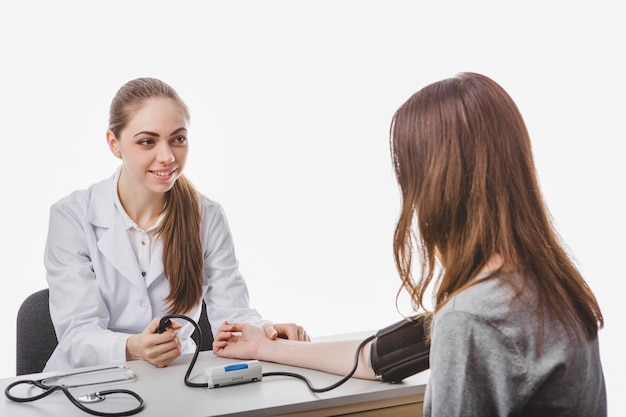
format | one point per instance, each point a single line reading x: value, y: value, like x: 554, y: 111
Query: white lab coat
x: 98, y: 297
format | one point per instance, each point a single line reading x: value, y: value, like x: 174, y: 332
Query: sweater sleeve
x: 476, y: 370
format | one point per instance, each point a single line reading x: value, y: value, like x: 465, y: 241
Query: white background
x: 291, y: 103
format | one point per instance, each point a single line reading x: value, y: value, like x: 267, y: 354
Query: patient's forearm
x: 336, y: 357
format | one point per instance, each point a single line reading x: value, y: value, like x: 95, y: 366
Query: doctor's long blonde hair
x: 180, y: 230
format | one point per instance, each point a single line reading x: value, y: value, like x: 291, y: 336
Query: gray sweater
x: 487, y: 359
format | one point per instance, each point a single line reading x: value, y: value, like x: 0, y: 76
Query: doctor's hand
x: 158, y: 349
x: 288, y: 331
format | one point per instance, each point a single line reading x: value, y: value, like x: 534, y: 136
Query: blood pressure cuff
x: 401, y: 350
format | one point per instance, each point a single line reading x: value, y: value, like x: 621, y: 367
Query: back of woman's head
x: 463, y: 161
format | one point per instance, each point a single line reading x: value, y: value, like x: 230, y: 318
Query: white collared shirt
x: 142, y: 240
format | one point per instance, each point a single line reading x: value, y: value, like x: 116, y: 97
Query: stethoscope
x: 52, y: 384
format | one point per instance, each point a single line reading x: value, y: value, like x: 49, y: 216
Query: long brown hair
x: 180, y: 230
x: 463, y: 161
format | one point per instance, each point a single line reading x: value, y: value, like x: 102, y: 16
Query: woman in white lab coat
x: 141, y: 244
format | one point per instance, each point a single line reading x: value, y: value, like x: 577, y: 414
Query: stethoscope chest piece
x: 94, y: 397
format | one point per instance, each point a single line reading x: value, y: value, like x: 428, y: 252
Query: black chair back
x: 36, y: 339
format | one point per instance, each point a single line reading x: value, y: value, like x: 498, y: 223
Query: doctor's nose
x: 165, y: 155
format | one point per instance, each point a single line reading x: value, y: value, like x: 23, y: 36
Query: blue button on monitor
x: 236, y: 367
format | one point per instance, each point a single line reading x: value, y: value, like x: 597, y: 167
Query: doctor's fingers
x: 291, y: 331
x: 152, y: 327
x: 164, y: 353
x: 298, y: 333
x: 303, y: 336
x: 165, y: 358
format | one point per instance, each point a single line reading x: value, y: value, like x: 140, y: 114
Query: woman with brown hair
x: 514, y: 329
x: 142, y: 244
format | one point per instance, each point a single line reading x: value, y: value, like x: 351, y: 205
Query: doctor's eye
x: 145, y: 142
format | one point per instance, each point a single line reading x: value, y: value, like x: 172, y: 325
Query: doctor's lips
x: 163, y: 173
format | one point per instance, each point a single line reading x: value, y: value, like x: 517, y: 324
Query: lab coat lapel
x: 112, y: 238
x: 156, y: 263
x: 115, y: 246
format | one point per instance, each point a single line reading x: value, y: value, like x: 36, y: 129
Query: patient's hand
x: 238, y: 340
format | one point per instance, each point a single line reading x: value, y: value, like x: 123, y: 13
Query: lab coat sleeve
x: 226, y: 294
x: 79, y: 313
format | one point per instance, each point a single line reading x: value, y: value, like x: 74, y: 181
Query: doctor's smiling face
x: 152, y: 146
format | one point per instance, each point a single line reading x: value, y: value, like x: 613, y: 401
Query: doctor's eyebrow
x: 147, y: 132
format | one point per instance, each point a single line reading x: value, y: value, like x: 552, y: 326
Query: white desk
x: 165, y: 394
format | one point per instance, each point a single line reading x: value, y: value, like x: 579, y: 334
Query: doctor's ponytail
x: 182, y: 250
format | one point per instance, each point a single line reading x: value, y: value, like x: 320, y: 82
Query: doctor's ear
x: 113, y: 144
